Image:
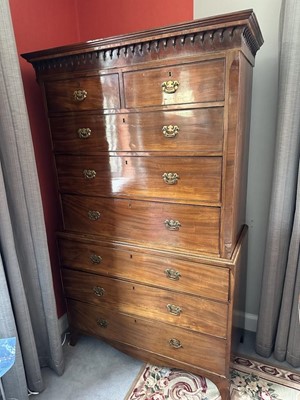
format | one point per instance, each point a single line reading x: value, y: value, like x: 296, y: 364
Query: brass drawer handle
x: 170, y: 131
x: 95, y: 259
x: 172, y: 225
x: 175, y: 310
x: 93, y: 215
x: 89, y: 173
x: 80, y: 95
x: 172, y: 274
x: 99, y: 291
x: 170, y: 86
x: 102, y: 323
x: 84, y: 133
x: 175, y: 343
x: 171, y: 178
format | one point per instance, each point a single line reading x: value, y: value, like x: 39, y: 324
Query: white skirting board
x: 245, y: 321
x: 63, y: 324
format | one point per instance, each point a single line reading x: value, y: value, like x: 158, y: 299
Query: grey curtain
x: 278, y: 323
x: 27, y: 304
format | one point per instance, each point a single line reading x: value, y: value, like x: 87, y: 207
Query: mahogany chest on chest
x: 150, y: 139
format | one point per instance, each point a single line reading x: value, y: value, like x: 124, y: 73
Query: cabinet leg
x: 224, y: 388
x: 73, y: 337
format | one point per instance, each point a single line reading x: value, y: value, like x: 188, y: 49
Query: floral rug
x: 249, y: 380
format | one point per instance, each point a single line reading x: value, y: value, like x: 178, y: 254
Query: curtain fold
x: 287, y: 343
x: 27, y: 304
x: 278, y: 323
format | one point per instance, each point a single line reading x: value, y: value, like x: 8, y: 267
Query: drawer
x: 163, y: 225
x: 186, y: 179
x: 166, y: 340
x: 167, y: 306
x: 95, y: 92
x: 165, y: 272
x: 187, y: 130
x: 181, y: 84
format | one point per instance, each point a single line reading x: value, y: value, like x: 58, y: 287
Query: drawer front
x: 189, y: 312
x: 186, y: 130
x: 164, y: 272
x: 96, y: 92
x: 163, y: 339
x: 163, y: 225
x: 185, y: 84
x: 196, y: 179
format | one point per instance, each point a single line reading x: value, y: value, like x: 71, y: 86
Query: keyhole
x: 123, y: 120
x: 170, y: 73
x: 126, y: 162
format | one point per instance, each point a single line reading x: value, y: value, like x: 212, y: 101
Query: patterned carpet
x: 249, y: 380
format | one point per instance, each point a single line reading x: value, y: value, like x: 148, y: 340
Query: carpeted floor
x: 96, y: 371
x: 250, y: 380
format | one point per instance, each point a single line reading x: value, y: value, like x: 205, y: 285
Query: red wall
x: 40, y: 24
x: 102, y: 18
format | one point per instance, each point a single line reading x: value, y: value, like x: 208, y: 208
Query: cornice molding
x: 204, y: 35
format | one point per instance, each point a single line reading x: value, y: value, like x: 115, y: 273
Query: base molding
x: 246, y: 321
x: 63, y: 324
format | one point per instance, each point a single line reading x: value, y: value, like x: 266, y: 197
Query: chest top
x: 237, y: 30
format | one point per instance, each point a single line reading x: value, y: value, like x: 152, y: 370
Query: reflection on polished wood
x: 199, y: 82
x: 201, y: 130
x: 133, y: 330
x: 197, y: 314
x: 82, y: 93
x: 144, y: 222
x: 142, y: 177
x: 170, y: 272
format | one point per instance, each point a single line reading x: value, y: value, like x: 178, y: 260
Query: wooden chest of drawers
x: 150, y: 138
